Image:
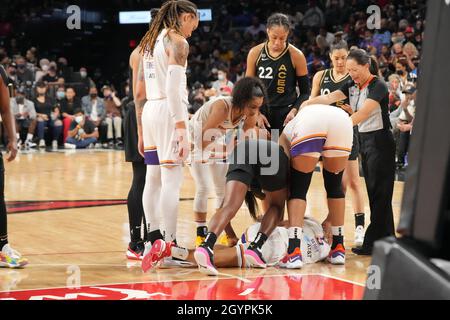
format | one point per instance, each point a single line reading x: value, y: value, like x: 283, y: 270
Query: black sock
x: 155, y: 235
x: 293, y: 243
x: 259, y: 241
x: 3, y: 241
x: 202, y: 231
x: 210, y: 240
x: 337, y: 240
x: 359, y: 219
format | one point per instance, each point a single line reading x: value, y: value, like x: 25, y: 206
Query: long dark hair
x: 252, y: 205
x: 167, y: 17
x: 246, y: 89
x: 279, y: 19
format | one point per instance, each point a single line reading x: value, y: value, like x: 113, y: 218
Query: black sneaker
x: 135, y: 250
x: 204, y: 257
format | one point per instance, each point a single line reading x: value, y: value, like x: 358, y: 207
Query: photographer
x: 82, y: 133
x: 406, y: 117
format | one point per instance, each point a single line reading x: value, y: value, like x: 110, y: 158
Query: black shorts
x: 130, y: 140
x: 354, y: 154
x: 253, y: 173
x: 276, y: 116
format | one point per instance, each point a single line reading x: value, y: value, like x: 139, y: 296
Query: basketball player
x: 136, y: 214
x: 318, y: 130
x: 9, y: 257
x: 369, y: 100
x: 327, y: 81
x: 273, y: 250
x: 209, y: 126
x: 162, y: 123
x: 282, y: 68
x: 267, y: 163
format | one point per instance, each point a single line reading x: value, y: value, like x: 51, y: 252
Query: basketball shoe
x: 293, y: 260
x: 359, y: 236
x: 10, y: 258
x: 135, y: 250
x: 337, y: 255
x: 204, y: 257
x: 253, y: 256
x: 153, y: 255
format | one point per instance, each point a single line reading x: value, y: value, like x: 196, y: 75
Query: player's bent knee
x: 300, y: 182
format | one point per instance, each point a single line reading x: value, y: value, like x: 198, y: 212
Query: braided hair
x: 166, y: 18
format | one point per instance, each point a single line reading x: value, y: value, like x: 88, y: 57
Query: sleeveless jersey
x: 203, y: 113
x: 279, y: 77
x: 155, y: 71
x: 328, y: 84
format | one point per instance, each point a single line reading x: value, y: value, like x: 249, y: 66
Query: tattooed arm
x: 137, y: 66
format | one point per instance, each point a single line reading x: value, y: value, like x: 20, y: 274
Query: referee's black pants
x: 378, y: 162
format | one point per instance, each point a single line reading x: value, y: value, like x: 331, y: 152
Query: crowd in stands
x: 50, y: 94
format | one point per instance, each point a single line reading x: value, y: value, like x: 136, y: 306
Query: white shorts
x: 320, y: 130
x: 158, y: 128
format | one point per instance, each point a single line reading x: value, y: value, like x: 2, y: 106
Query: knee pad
x: 201, y: 199
x: 333, y: 184
x: 299, y: 184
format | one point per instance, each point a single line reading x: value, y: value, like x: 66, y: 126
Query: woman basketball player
x: 327, y: 81
x: 162, y: 123
x: 273, y: 250
x: 266, y: 162
x: 369, y: 100
x: 9, y: 257
x: 208, y: 128
x: 319, y: 130
x: 282, y: 68
x: 136, y: 214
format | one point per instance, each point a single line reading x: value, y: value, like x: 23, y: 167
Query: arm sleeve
x: 305, y: 91
x: 378, y: 92
x: 176, y: 75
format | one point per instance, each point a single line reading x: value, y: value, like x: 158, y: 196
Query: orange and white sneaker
x: 293, y: 260
x: 337, y: 255
x: 158, y: 251
x: 10, y: 258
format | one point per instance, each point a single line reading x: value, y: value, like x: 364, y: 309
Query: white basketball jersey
x: 155, y: 71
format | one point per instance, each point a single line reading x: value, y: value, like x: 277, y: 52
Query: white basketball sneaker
x: 359, y: 236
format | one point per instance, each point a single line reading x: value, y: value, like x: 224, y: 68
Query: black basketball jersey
x: 328, y: 84
x: 279, y: 77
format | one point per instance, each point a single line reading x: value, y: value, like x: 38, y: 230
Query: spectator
x: 395, y: 93
x: 223, y: 86
x: 51, y: 76
x: 255, y: 28
x: 25, y: 114
x: 401, y: 70
x: 324, y: 40
x: 12, y: 74
x: 113, y: 116
x: 86, y: 81
x: 383, y: 35
x: 83, y: 133
x: 24, y: 75
x: 94, y: 109
x: 47, y: 116
x: 68, y: 106
x: 45, y: 65
x: 313, y: 17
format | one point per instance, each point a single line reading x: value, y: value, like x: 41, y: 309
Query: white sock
x: 150, y: 197
x: 295, y: 233
x: 337, y: 231
x: 180, y: 253
x: 201, y: 224
x: 171, y: 180
x: 29, y: 136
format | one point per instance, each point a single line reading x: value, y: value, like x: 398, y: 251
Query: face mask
x: 400, y: 72
x: 60, y: 95
x: 93, y: 95
x: 83, y: 74
x: 221, y: 77
x: 45, y: 68
x: 20, y: 100
x: 13, y: 73
x: 79, y: 119
x: 21, y: 66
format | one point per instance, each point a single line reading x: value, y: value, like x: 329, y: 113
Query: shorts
x: 159, y: 134
x: 321, y: 130
x: 249, y: 172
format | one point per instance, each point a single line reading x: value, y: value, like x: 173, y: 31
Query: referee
x: 369, y: 99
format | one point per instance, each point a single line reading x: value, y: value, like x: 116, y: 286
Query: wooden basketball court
x: 67, y: 215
